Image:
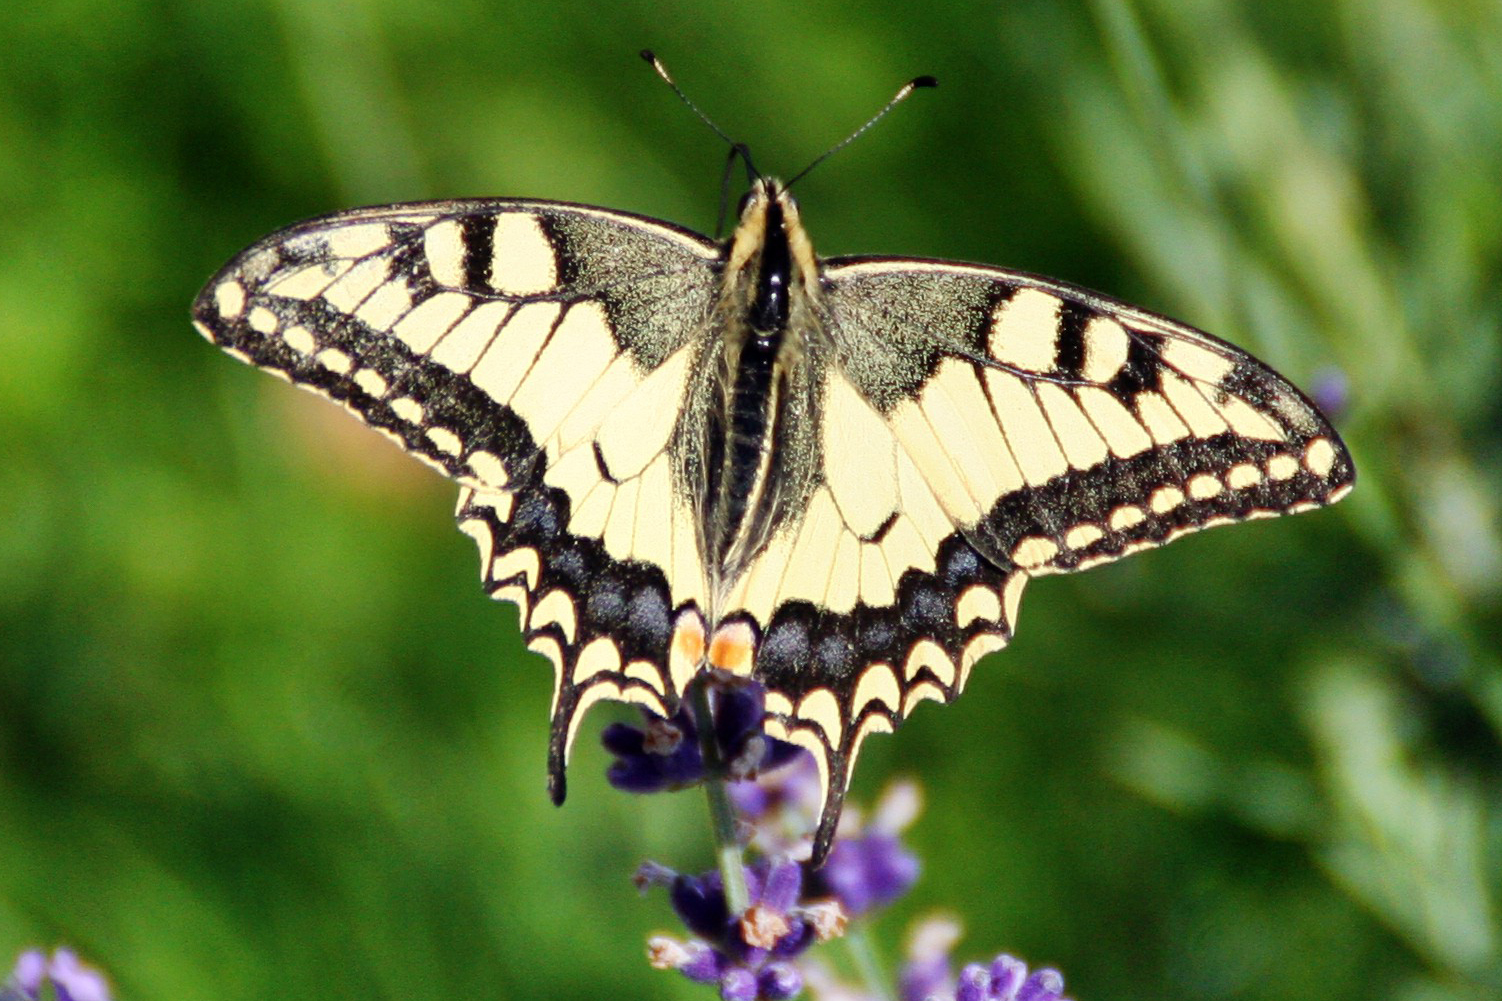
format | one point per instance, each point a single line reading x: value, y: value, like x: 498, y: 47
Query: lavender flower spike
x: 749, y: 956
x: 927, y: 976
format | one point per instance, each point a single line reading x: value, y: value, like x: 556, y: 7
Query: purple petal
x: 899, y: 806
x: 738, y: 984
x: 869, y: 871
x: 974, y: 983
x: 1007, y: 974
x: 893, y: 870
x: 704, y: 965
x: 738, y: 715
x: 784, y: 884
x: 31, y: 966
x: 700, y: 904
x: 749, y: 799
x: 780, y: 981
x: 623, y: 739
x: 635, y: 774
x: 76, y: 982
x: 927, y: 971
x: 923, y: 978
x: 1045, y: 985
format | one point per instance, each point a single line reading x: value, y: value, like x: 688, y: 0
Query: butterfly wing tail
x: 829, y: 819
x: 558, y: 748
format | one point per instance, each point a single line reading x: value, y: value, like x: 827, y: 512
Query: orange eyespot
x: 733, y: 648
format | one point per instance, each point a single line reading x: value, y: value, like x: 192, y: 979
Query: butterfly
x: 833, y: 475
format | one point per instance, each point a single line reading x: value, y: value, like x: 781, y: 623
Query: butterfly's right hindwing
x: 537, y: 353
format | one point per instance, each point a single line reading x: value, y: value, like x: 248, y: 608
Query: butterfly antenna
x: 736, y: 149
x: 898, y: 98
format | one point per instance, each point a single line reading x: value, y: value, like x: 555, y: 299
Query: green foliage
x: 262, y: 736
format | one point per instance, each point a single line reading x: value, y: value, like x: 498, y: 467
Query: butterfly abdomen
x: 757, y: 350
x: 747, y: 439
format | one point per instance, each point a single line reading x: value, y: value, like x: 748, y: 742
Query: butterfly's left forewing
x: 537, y: 353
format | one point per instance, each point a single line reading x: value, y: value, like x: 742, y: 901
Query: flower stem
x: 721, y: 814
x: 863, y: 954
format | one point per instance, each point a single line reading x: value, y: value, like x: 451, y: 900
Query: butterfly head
x: 770, y: 250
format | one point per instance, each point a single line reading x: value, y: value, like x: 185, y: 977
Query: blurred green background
x: 262, y: 736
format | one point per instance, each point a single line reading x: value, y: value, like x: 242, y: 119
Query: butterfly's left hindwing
x: 537, y: 353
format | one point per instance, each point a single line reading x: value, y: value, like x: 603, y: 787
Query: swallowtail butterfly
x: 836, y: 475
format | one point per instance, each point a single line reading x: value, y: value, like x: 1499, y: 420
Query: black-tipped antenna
x: 736, y: 149
x: 898, y: 98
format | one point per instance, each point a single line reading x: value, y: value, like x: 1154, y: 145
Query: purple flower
x: 761, y: 953
x: 927, y: 971
x: 738, y: 984
x: 874, y: 868
x: 781, y: 807
x: 749, y: 956
x: 68, y: 978
x: 662, y: 755
x: 926, y: 977
x: 665, y: 754
x: 779, y: 981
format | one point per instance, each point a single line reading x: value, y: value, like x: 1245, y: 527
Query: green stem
x: 721, y: 814
x: 863, y: 954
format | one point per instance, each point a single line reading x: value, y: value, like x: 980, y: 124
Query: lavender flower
x: 928, y: 974
x: 66, y: 977
x: 779, y: 808
x: 750, y: 955
x: 873, y: 868
x: 760, y: 953
x: 665, y: 754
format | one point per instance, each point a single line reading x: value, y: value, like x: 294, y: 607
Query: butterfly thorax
x: 762, y: 391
